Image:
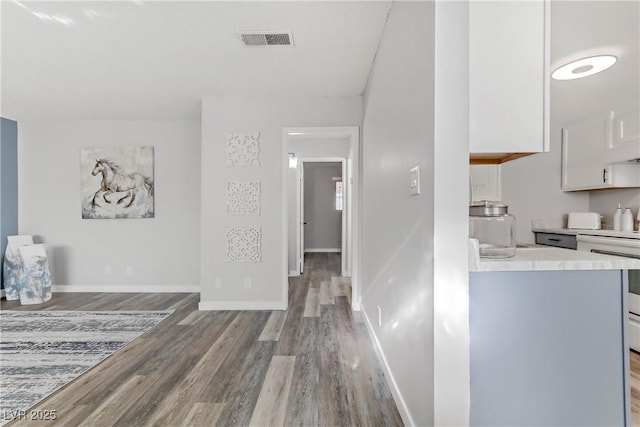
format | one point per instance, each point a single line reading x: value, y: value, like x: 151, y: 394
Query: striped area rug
x: 41, y: 351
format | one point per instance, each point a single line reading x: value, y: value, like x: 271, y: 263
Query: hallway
x: 313, y: 365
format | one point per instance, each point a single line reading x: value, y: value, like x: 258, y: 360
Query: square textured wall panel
x: 243, y: 198
x: 244, y: 244
x: 243, y: 149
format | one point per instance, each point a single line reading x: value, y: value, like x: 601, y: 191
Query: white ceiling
x: 144, y: 59
x: 141, y: 59
x: 587, y: 28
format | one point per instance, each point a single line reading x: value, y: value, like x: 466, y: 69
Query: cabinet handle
x: 604, y: 175
x: 554, y: 240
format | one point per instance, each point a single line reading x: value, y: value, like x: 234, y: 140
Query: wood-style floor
x: 313, y: 365
x: 635, y: 389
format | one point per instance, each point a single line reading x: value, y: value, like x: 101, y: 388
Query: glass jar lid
x: 488, y: 208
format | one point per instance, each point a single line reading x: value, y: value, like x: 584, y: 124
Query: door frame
x: 344, y: 265
x: 352, y: 180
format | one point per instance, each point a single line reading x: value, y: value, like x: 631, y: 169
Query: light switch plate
x: 414, y: 180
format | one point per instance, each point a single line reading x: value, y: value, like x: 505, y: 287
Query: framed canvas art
x: 117, y: 182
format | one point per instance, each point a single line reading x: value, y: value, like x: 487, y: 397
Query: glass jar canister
x: 495, y: 229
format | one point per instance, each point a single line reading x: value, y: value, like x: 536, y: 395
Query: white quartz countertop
x: 545, y: 258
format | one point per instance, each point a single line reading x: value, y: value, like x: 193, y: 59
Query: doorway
x: 322, y: 210
x: 315, y: 149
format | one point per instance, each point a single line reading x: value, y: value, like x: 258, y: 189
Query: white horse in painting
x: 115, y: 181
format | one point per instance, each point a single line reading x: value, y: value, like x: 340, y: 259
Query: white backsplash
x: 605, y: 202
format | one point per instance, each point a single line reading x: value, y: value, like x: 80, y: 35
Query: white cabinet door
x: 625, y: 135
x: 485, y: 182
x: 586, y: 157
x: 582, y: 146
x: 508, y: 76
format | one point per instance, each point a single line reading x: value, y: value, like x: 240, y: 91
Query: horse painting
x: 114, y: 180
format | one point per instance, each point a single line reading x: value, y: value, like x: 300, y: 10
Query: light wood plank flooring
x: 313, y: 365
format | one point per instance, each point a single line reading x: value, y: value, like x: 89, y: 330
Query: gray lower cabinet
x: 548, y: 348
x: 566, y: 241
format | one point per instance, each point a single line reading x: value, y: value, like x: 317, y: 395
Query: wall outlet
x: 218, y: 283
x: 379, y: 316
x: 129, y: 270
x: 247, y: 283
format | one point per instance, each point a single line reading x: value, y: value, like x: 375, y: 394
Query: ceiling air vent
x: 271, y: 38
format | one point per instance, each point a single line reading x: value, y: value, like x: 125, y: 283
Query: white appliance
x: 584, y: 220
x: 628, y: 247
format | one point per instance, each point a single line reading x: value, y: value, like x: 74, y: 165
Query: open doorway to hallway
x: 325, y: 165
x: 322, y: 211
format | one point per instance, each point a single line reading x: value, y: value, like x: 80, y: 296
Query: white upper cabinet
x: 624, y: 144
x: 509, y: 76
x: 581, y: 166
x: 596, y: 154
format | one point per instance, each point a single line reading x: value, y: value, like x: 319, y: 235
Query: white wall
x: 531, y: 189
x: 605, y: 202
x: 323, y: 229
x: 223, y: 283
x: 161, y: 254
x: 451, y: 223
x: 397, y: 229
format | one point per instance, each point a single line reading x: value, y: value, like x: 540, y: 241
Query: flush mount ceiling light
x: 584, y: 67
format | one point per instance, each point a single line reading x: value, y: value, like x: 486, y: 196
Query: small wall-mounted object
x: 244, y: 244
x: 243, y: 198
x: 243, y: 149
x: 414, y: 180
x: 293, y: 161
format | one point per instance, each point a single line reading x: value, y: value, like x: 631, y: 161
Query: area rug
x: 41, y: 351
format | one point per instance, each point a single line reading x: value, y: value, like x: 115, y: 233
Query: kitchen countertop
x: 575, y: 231
x: 545, y: 258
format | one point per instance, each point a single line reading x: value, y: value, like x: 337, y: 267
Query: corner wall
x: 254, y: 285
x: 398, y: 229
x: 160, y: 254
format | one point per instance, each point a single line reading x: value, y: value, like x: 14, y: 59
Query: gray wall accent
x: 159, y: 253
x: 8, y: 183
x: 398, y: 229
x: 324, y: 223
x: 547, y: 348
x: 224, y: 284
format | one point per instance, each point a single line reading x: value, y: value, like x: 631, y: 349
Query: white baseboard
x: 242, y: 305
x: 127, y: 288
x: 407, y: 419
x: 294, y: 273
x: 323, y: 250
